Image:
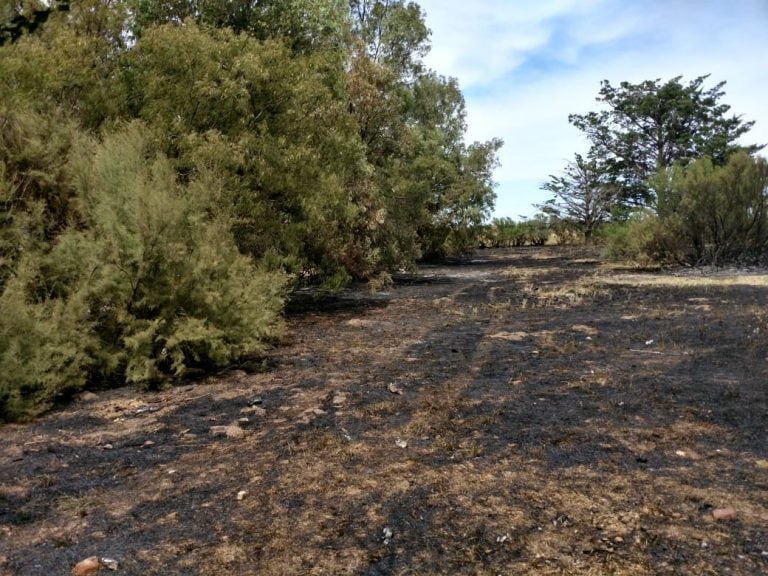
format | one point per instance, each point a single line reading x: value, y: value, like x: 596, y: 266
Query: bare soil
x: 524, y: 411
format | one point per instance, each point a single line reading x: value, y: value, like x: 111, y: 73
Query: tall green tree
x: 19, y: 18
x: 393, y: 32
x: 646, y: 127
x: 305, y: 25
x: 281, y: 139
x: 435, y: 187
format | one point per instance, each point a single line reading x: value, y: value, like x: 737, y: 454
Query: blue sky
x: 524, y: 65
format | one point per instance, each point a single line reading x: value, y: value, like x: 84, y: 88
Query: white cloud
x: 524, y: 66
x: 481, y: 41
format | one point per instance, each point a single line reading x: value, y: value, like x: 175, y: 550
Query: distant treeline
x: 509, y: 233
x: 667, y: 177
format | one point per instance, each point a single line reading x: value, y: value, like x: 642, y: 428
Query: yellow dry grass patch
x: 671, y: 281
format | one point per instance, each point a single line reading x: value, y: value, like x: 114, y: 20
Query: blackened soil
x: 525, y: 411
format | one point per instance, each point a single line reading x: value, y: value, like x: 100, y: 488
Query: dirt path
x: 528, y: 412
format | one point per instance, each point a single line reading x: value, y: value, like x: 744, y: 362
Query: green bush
x: 713, y: 214
x: 163, y: 180
x: 505, y: 232
x: 150, y: 285
x: 163, y: 268
x: 44, y: 347
x: 37, y: 199
x: 536, y: 231
x: 631, y: 239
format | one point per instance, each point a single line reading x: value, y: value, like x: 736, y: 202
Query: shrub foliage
x: 168, y: 171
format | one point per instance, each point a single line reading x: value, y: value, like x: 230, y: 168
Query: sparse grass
x: 380, y: 409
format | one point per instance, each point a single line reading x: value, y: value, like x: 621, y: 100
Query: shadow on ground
x: 522, y: 412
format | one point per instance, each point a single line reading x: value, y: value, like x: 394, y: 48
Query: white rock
x: 394, y: 388
x: 88, y: 566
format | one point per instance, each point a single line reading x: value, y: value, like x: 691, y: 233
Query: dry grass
x: 686, y: 281
x: 550, y: 438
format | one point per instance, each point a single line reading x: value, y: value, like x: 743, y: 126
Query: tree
x: 17, y: 20
x: 393, y: 32
x: 583, y: 195
x: 304, y: 25
x: 435, y: 188
x: 649, y: 126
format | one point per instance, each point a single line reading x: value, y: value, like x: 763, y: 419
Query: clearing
x: 526, y: 411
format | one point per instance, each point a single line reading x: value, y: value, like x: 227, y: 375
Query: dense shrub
x: 630, y: 239
x: 713, y: 214
x: 45, y: 346
x: 163, y: 265
x: 705, y: 214
x: 151, y: 285
x: 506, y: 232
x: 169, y: 170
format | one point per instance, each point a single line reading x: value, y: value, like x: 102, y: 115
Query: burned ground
x: 526, y: 411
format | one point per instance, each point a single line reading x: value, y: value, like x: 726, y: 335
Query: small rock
x: 339, y: 399
x: 241, y: 495
x: 148, y: 444
x: 387, y: 534
x: 88, y: 396
x: 243, y: 422
x: 141, y: 410
x: 109, y: 563
x: 724, y: 513
x: 107, y: 446
x: 88, y: 566
x: 680, y: 453
x: 254, y: 410
x: 618, y: 540
x: 401, y: 443
x: 394, y: 388
x: 257, y: 401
